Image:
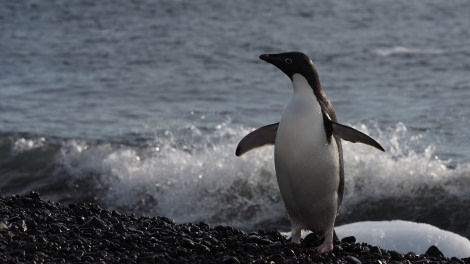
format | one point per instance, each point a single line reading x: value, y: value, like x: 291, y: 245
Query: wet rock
x: 311, y: 240
x: 375, y: 250
x: 19, y: 225
x: 352, y: 260
x: 187, y: 243
x: 95, y: 222
x: 287, y: 251
x: 229, y: 260
x: 349, y: 239
x: 410, y: 256
x: 434, y: 252
x: 365, y: 251
x: 395, y: 255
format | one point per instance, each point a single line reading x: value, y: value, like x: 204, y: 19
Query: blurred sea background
x: 138, y: 105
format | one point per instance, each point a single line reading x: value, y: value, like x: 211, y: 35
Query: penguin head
x: 291, y: 63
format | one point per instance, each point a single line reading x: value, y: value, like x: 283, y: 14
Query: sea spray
x: 191, y: 174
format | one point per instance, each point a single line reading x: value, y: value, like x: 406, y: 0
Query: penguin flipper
x: 258, y: 138
x: 353, y: 135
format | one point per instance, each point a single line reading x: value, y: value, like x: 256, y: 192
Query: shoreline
x: 36, y: 231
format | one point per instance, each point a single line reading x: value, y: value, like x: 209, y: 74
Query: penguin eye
x: 288, y: 60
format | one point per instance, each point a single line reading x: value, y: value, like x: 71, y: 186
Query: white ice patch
x: 404, y: 236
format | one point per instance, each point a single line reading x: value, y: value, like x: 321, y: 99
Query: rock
x: 395, y: 255
x: 95, y: 222
x: 229, y: 260
x: 434, y: 252
x: 287, y: 251
x: 349, y: 239
x: 36, y: 231
x: 187, y: 243
x: 352, y: 260
x: 410, y: 256
x: 365, y: 251
x: 311, y: 240
x: 375, y: 250
x: 20, y: 225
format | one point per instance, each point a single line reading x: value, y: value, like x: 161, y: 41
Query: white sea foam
x: 195, y: 176
x: 398, y: 172
x: 23, y: 144
x: 180, y: 179
x: 404, y: 50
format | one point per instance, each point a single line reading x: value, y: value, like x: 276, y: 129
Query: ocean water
x: 139, y: 106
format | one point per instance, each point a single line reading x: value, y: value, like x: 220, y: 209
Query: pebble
x: 434, y: 252
x: 36, y: 231
x: 396, y: 255
x: 349, y: 239
x: 352, y: 260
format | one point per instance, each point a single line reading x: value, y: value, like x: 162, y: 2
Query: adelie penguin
x: 307, y: 150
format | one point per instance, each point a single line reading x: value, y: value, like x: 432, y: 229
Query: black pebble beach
x: 36, y: 231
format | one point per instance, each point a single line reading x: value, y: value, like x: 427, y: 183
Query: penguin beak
x: 264, y: 57
x: 278, y: 61
x: 274, y: 59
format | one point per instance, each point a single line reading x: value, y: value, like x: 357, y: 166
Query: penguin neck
x: 301, y: 85
x: 303, y: 89
x: 303, y: 99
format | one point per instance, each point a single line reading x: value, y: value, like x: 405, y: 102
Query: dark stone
x: 287, y: 251
x: 187, y: 243
x: 258, y: 240
x: 167, y: 220
x: 34, y: 195
x: 311, y: 240
x: 29, y: 247
x: 203, y: 226
x: 349, y: 239
x: 434, y: 252
x: 338, y: 249
x: 375, y: 250
x: 410, y: 256
x: 181, y: 251
x: 352, y: 260
x: 365, y: 251
x: 278, y: 258
x: 230, y: 260
x: 20, y: 225
x: 396, y: 255
x: 457, y: 260
x: 204, y: 249
x: 95, y: 222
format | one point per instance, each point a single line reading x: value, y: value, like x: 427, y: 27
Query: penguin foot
x: 326, y: 246
x: 296, y: 234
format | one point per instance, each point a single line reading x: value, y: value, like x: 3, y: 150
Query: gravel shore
x: 36, y: 231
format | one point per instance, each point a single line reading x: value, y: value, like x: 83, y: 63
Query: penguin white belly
x: 307, y: 166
